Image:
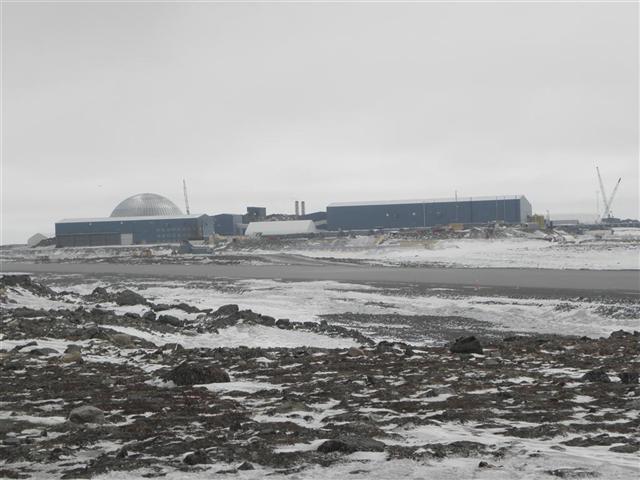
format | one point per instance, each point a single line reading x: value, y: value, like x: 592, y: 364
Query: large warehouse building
x: 141, y: 219
x: 427, y: 213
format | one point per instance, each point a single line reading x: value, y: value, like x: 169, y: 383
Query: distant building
x: 35, y: 239
x: 255, y: 214
x: 141, y: 219
x: 319, y: 218
x: 286, y: 227
x: 228, y: 224
x: 427, y: 213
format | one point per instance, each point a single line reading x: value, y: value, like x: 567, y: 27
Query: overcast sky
x: 265, y: 104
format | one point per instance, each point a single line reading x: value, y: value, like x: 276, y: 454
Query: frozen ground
x: 604, y: 251
x: 512, y: 248
x: 398, y: 312
x: 519, y: 411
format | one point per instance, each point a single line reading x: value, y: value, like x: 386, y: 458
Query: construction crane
x: 186, y: 197
x: 608, y: 203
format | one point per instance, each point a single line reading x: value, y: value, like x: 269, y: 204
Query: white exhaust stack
x: 302, y: 209
x: 297, y: 208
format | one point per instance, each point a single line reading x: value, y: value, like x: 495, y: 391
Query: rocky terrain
x: 92, y: 392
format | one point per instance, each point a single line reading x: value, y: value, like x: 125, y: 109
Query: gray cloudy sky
x: 264, y: 104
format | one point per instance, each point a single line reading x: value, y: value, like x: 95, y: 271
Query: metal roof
x: 282, y: 227
x: 131, y: 219
x: 426, y: 200
x: 145, y: 204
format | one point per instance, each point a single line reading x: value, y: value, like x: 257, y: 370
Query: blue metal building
x: 427, y: 213
x: 228, y: 224
x: 82, y: 232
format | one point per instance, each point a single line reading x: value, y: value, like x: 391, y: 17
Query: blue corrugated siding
x: 227, y: 224
x: 417, y: 215
x: 144, y: 231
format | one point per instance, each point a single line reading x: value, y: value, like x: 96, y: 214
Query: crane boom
x: 186, y: 198
x: 613, y: 194
x: 604, y: 195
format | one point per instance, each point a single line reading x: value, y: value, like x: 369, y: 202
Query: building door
x: 126, y: 239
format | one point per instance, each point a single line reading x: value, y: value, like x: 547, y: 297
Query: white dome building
x: 146, y: 205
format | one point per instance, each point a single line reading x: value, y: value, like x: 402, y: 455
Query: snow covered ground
x: 596, y: 250
x: 601, y: 251
x: 308, y: 301
x: 524, y: 457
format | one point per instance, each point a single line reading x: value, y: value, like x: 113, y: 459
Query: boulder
x: 598, y: 376
x: 43, y: 351
x: 266, y: 320
x: 283, y: 323
x: 129, y: 297
x: 71, y: 357
x: 620, y: 334
x: 246, y: 466
x: 350, y: 445
x: 72, y: 348
x: 100, y: 292
x: 466, y: 345
x: 123, y: 340
x: 629, y: 377
x: 193, y: 374
x: 86, y: 414
x: 226, y: 310
x: 196, y: 458
x: 170, y: 320
x: 149, y: 315
x: 355, y: 352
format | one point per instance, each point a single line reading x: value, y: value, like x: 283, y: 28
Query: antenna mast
x: 186, y: 197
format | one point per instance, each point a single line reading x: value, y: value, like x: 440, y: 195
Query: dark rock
x: 17, y: 348
x: 355, y: 352
x: 466, y: 345
x: 246, y: 466
x: 129, y: 297
x: 629, y: 448
x: 267, y: 321
x: 24, y: 281
x: 73, y: 348
x: 149, y: 315
x: 598, y: 376
x: 226, y: 310
x: 193, y: 374
x: 170, y: 320
x: 573, y: 473
x: 283, y: 323
x: 186, y: 308
x: 196, y: 458
x: 603, y: 439
x: 350, y: 445
x: 100, y: 292
x: 384, y: 347
x: 629, y: 377
x: 86, y: 414
x: 43, y: 351
x: 620, y: 334
x: 132, y: 315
